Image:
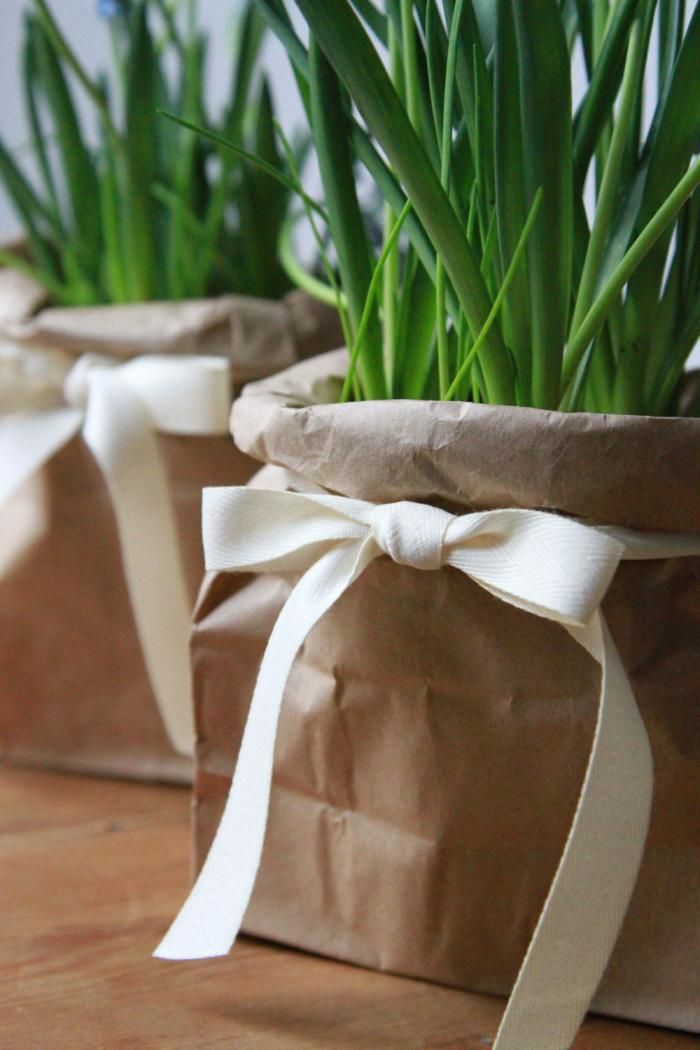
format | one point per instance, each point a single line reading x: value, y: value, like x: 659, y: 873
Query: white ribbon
x: 551, y: 566
x: 119, y: 410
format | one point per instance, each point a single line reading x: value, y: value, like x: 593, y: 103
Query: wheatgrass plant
x: 150, y: 212
x: 494, y: 283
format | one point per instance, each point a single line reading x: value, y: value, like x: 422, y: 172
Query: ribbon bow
x: 548, y: 565
x: 119, y: 408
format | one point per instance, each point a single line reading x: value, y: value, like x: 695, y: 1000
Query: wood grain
x: 90, y: 874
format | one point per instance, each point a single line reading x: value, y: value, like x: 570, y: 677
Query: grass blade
x: 262, y: 204
x: 342, y: 38
x: 545, y: 92
x: 77, y: 163
x: 511, y: 210
x: 141, y: 167
x: 244, y: 154
x: 445, y: 164
x: 275, y: 14
x: 415, y: 340
x: 30, y: 209
x: 435, y: 65
x: 485, y: 11
x: 367, y: 154
x: 368, y: 309
x: 664, y: 389
x: 37, y: 273
x: 671, y: 19
x: 515, y: 262
x: 252, y: 33
x: 30, y: 83
x: 375, y: 19
x: 674, y: 138
x: 597, y: 103
x: 610, y: 182
x: 340, y: 298
x: 65, y: 52
x: 115, y: 279
x: 188, y: 161
x: 598, y: 312
x: 474, y: 85
x: 331, y: 134
x: 297, y: 273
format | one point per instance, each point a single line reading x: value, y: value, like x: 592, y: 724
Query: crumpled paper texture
x: 433, y: 739
x: 74, y: 693
x: 258, y: 336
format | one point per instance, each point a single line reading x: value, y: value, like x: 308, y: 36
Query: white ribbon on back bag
x: 548, y: 565
x: 119, y: 409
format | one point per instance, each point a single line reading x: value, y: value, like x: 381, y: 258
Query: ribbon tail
x: 582, y: 916
x: 210, y: 919
x: 118, y: 431
x: 29, y: 440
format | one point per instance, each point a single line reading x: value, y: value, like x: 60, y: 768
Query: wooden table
x: 90, y: 874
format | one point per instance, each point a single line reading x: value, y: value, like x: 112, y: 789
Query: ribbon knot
x: 411, y: 533
x: 546, y: 564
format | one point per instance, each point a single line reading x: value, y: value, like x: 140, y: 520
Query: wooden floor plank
x: 90, y: 874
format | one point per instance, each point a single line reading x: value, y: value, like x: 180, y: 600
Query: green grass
x: 501, y: 287
x: 149, y: 211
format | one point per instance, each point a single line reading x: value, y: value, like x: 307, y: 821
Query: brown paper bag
x: 74, y: 692
x: 433, y: 739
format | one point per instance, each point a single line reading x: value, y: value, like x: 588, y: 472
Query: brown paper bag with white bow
x: 433, y: 739
x: 74, y: 692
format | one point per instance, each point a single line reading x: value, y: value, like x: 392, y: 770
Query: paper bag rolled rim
x: 637, y: 472
x: 258, y: 336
